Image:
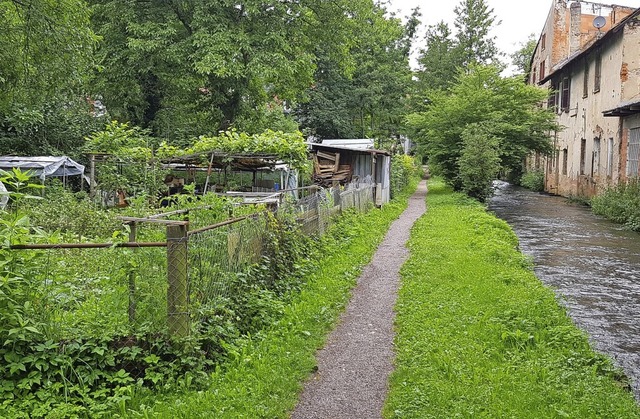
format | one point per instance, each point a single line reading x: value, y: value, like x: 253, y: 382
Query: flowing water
x: 591, y: 263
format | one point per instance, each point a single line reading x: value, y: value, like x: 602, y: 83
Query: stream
x: 591, y: 263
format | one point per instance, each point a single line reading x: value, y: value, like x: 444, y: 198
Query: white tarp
x: 43, y: 166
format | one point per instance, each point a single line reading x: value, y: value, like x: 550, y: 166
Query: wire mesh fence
x: 357, y: 195
x: 97, y: 292
x: 217, y: 256
x: 174, y: 286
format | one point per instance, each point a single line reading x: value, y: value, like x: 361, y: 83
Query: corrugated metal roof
x: 359, y: 143
x: 355, y: 150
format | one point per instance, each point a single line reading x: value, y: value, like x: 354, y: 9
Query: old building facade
x: 588, y: 55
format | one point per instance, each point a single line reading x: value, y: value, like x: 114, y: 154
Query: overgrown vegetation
x: 69, y: 346
x: 479, y: 335
x: 533, y: 179
x: 263, y: 373
x: 620, y: 204
x: 130, y: 158
x: 491, y: 109
x: 190, y: 69
x: 404, y: 169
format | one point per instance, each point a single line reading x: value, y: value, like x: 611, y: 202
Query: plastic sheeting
x: 44, y: 166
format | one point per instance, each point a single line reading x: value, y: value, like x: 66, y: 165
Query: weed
x: 620, y: 204
x: 263, y: 372
x: 533, y: 179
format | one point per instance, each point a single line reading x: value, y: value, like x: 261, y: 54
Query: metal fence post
x: 178, y: 290
x: 132, y: 277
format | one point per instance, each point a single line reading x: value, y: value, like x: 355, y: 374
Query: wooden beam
x: 152, y: 220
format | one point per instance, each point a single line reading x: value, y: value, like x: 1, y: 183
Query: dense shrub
x: 47, y: 373
x: 72, y: 214
x: 479, y: 162
x: 403, y: 169
x: 620, y: 204
x: 533, y: 179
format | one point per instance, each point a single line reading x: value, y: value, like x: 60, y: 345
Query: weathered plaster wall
x: 630, y: 67
x: 585, y: 121
x: 569, y: 30
x: 565, y: 36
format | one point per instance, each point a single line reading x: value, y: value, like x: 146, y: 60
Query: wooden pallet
x: 328, y: 170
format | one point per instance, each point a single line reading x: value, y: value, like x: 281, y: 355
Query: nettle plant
x: 15, y: 281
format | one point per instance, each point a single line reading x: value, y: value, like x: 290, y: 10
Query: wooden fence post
x: 178, y: 289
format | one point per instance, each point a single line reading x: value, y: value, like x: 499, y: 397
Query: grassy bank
x: 620, y: 204
x: 264, y: 375
x: 478, y: 335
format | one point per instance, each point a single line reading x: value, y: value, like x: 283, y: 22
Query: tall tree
x: 474, y: 21
x: 371, y: 100
x: 45, y: 57
x: 45, y: 49
x: 438, y: 59
x: 187, y: 67
x: 507, y: 109
x: 521, y: 59
x: 446, y: 51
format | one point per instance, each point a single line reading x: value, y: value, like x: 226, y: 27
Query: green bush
x: 533, y: 179
x: 72, y: 214
x: 479, y: 162
x: 620, y: 204
x: 403, y: 169
x: 68, y: 348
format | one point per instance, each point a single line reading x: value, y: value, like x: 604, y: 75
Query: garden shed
x: 44, y: 167
x: 341, y: 164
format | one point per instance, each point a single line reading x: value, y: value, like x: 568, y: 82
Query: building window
x: 565, y: 159
x: 585, y: 81
x: 552, y: 103
x: 543, y: 41
x: 595, y: 157
x: 542, y: 73
x: 566, y: 94
x: 583, y: 152
x: 534, y: 77
x: 598, y: 73
x: 633, y: 152
x: 610, y: 158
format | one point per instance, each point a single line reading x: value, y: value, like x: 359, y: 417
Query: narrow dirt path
x: 354, y: 365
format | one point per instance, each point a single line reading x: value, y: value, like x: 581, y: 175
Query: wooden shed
x: 341, y: 164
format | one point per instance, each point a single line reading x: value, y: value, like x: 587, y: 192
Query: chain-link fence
x: 95, y: 292
x: 166, y: 278
x: 217, y: 258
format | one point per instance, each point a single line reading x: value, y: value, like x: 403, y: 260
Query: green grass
x: 264, y: 375
x: 478, y: 335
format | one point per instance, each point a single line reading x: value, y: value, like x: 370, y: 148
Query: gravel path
x: 353, y: 367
